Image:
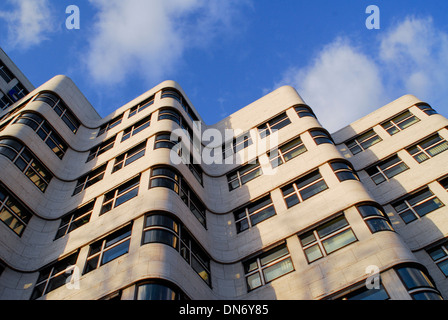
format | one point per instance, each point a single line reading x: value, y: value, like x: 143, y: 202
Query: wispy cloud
x: 345, y: 83
x: 29, y: 23
x: 149, y: 38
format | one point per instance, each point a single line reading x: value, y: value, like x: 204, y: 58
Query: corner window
x: 304, y: 111
x: 418, y: 284
x: 327, y: 238
x: 343, y: 171
x: 375, y: 218
x: 157, y: 290
x: 321, y: 137
x: 427, y: 109
x: 267, y: 267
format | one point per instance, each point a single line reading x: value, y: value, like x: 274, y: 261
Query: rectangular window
x: 109, y: 248
x: 237, y: 144
x: 100, y: 149
x: 400, y: 122
x: 54, y: 276
x: 286, y: 152
x: 439, y: 255
x: 12, y: 213
x: 254, y: 213
x: 111, y: 124
x: 304, y: 188
x: 76, y: 219
x: 5, y: 101
x: 277, y: 123
x: 428, y: 148
x: 129, y: 157
x: 363, y: 141
x: 142, y: 106
x: 267, y: 267
x: 90, y: 179
x: 5, y: 73
x: 417, y: 205
x: 327, y: 238
x: 243, y: 175
x: 136, y: 128
x: 386, y: 169
x: 444, y: 183
x: 120, y: 195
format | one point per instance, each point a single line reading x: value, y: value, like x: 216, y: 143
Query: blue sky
x: 228, y: 53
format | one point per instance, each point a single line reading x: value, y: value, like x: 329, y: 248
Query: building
x: 13, y: 83
x: 93, y: 208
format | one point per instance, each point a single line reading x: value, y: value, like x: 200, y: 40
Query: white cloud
x: 149, y: 38
x: 343, y: 83
x: 29, y: 23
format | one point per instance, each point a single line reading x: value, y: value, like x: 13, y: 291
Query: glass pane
x: 408, y: 216
x: 126, y: 197
x: 437, y: 253
x: 372, y: 294
x: 338, y: 241
x: 428, y: 206
x: 277, y: 270
x: 242, y: 225
x: 368, y: 211
x: 251, y: 175
x: 292, y: 201
x: 161, y: 236
x: 115, y: 252
x: 426, y: 295
x: 161, y: 220
x: 154, y: 291
x: 433, y: 151
x: 262, y: 215
x: 414, y: 278
x: 332, y: 226
x: 444, y: 267
x: 307, y: 238
x: 273, y: 255
x: 393, y: 171
x: 376, y: 225
x: 313, y: 190
x: 253, y: 281
x: 259, y: 204
x: 313, y: 253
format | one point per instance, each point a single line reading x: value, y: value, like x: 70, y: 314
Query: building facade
x: 96, y: 208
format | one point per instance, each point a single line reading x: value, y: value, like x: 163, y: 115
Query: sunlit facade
x: 94, y: 208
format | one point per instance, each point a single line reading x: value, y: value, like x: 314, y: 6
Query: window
x: 400, y: 122
x: 444, y: 182
x: 142, y: 106
x: 5, y: 73
x: 243, y: 175
x: 54, y: 276
x: 163, y: 141
x: 428, y: 148
x: 60, y: 108
x: 136, y: 128
x: 44, y: 131
x: 120, y: 195
x: 427, y: 109
x: 100, y: 149
x: 5, y: 101
x: 157, y: 290
x: 439, y: 255
x: 363, y: 141
x: 168, y: 178
x: 109, y: 248
x: 321, y: 137
x: 174, y: 94
x: 418, y: 284
x: 286, y: 152
x: 12, y: 213
x: 76, y: 219
x: 267, y: 267
x: 160, y: 228
x: 417, y: 205
x: 17, y: 92
x: 26, y: 162
x: 304, y: 188
x: 343, y: 171
x: 237, y: 144
x: 129, y: 157
x: 111, y: 124
x: 386, y: 169
x: 276, y: 123
x: 327, y: 238
x: 254, y: 213
x: 367, y: 294
x: 304, y: 111
x: 375, y: 218
x: 90, y: 179
x: 170, y: 114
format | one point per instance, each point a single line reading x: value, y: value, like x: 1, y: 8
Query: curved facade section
x: 152, y: 203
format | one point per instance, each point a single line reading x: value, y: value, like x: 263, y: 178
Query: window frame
x: 69, y: 222
x: 142, y: 106
x: 321, y: 136
x: 383, y: 167
x: 117, y: 193
x: 247, y: 215
x: 419, y: 150
x: 343, y: 170
x: 398, y: 123
x: 101, y: 148
x: 136, y: 128
x: 89, y: 179
x: 247, y: 169
x: 285, y: 149
x: 9, y: 202
x: 359, y: 142
x: 110, y: 125
x: 132, y: 154
x: 303, y: 111
x: 296, y: 191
